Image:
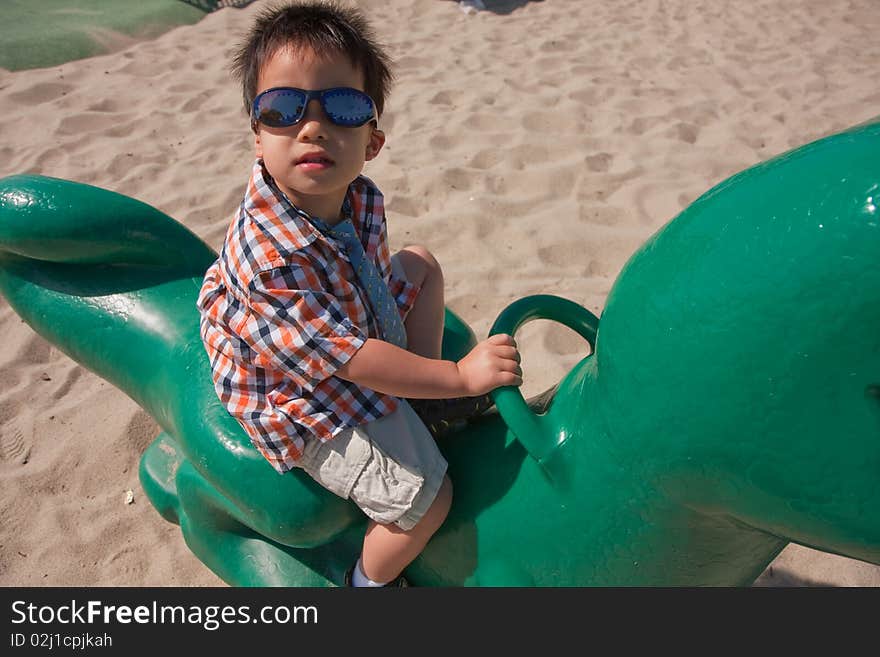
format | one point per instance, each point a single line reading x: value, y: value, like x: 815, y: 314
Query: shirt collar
x: 270, y: 207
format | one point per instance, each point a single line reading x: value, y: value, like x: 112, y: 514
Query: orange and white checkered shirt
x: 282, y: 310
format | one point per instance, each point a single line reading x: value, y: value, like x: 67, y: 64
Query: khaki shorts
x: 391, y: 468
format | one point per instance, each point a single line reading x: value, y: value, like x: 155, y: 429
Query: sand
x: 532, y: 147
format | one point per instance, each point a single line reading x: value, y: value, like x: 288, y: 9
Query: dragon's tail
x: 110, y: 280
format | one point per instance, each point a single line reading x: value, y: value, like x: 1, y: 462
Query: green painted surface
x: 730, y: 404
x: 41, y: 33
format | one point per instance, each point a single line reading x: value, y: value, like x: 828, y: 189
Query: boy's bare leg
x: 389, y: 549
x: 424, y: 323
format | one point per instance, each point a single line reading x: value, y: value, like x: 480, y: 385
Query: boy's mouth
x: 314, y: 160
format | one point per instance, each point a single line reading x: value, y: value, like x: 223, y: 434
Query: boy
x: 308, y: 351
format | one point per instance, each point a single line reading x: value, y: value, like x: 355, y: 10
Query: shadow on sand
x: 780, y: 577
x: 504, y: 6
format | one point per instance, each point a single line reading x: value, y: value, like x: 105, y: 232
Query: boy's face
x: 314, y: 161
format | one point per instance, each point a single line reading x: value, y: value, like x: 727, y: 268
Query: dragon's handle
x: 538, y: 437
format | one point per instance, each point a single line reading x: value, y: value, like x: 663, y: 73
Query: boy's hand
x: 491, y: 364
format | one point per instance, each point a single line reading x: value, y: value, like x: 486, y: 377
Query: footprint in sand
x: 49, y: 160
x: 106, y: 105
x: 486, y: 159
x: 197, y: 103
x: 14, y: 447
x: 83, y: 122
x: 35, y: 351
x: 444, y: 98
x: 603, y: 215
x: 69, y: 381
x: 552, y: 123
x: 527, y: 155
x: 457, y: 178
x: 657, y: 203
x: 407, y: 206
x: 686, y: 132
x: 481, y: 122
x: 643, y: 124
x: 600, y: 162
x: 42, y: 92
x: 444, y: 142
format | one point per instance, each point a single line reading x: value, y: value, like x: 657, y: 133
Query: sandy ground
x: 532, y: 147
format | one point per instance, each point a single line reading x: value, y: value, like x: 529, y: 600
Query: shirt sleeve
x: 404, y: 293
x: 295, y: 326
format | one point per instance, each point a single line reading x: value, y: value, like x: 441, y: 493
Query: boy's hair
x: 324, y: 26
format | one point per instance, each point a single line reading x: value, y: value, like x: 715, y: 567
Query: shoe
x: 443, y: 415
x: 398, y: 582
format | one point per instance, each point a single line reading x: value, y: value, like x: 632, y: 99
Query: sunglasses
x: 281, y: 107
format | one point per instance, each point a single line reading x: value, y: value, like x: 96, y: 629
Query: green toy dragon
x: 730, y: 403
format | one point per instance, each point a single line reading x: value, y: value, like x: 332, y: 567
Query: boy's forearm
x: 389, y: 369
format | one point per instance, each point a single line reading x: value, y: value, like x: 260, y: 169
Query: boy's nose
x: 313, y: 120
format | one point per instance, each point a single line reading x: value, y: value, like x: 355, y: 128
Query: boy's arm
x: 387, y: 368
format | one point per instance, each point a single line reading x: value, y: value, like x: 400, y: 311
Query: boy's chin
x: 311, y: 193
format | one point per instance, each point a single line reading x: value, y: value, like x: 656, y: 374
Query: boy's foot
x: 442, y: 415
x: 398, y: 582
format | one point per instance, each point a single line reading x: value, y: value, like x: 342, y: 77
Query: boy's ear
x: 258, y: 145
x: 377, y: 140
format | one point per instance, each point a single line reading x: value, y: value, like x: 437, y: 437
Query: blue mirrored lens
x: 348, y: 107
x: 280, y: 107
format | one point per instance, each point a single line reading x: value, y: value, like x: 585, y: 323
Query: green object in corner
x: 42, y: 33
x: 729, y: 404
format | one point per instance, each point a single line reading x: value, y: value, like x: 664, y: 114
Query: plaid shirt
x: 282, y: 310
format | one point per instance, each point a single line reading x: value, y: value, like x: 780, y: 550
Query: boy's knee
x: 421, y: 252
x: 419, y: 263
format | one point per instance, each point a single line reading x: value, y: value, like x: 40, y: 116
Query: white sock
x: 359, y: 579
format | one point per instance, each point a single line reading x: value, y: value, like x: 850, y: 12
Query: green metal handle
x: 533, y: 433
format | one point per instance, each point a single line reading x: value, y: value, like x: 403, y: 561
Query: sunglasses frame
x: 316, y: 94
